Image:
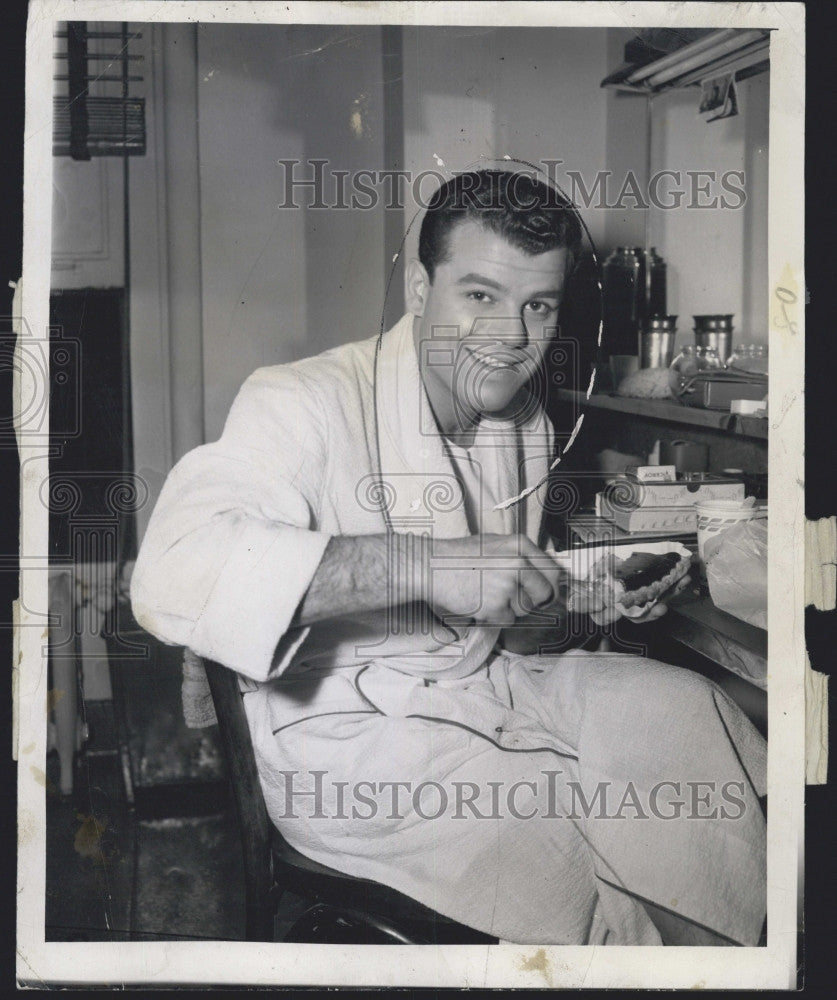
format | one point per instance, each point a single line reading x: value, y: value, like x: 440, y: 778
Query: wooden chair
x: 342, y: 909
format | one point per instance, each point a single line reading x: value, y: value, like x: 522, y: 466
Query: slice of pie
x: 640, y: 579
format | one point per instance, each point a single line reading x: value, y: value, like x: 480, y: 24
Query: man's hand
x: 489, y: 579
x: 533, y: 633
x: 475, y: 580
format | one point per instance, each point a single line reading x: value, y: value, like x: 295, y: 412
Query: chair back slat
x: 253, y: 819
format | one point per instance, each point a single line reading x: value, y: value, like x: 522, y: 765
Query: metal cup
x: 656, y: 348
x: 656, y: 342
x: 721, y: 340
x: 713, y: 321
x: 715, y: 330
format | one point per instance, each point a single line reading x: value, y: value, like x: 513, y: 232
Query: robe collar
x: 418, y: 482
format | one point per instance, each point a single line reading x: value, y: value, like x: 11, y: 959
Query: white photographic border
x: 506, y: 965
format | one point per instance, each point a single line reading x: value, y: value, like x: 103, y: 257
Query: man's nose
x: 510, y: 330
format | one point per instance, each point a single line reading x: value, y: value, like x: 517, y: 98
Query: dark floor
x: 168, y: 865
x: 113, y: 874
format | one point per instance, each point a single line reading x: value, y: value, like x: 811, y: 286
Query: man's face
x: 484, y: 324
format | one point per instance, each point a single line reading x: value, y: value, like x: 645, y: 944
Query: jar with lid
x: 689, y: 362
x: 750, y: 358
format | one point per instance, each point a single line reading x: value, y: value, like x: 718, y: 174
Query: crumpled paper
x: 736, y: 571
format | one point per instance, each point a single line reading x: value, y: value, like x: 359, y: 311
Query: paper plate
x: 579, y: 562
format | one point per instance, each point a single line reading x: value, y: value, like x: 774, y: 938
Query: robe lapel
x: 419, y: 484
x: 417, y: 476
x: 423, y: 494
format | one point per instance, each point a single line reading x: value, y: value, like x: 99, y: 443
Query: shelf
x: 733, y: 644
x: 670, y: 412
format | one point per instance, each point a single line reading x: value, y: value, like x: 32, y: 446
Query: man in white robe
x: 345, y: 548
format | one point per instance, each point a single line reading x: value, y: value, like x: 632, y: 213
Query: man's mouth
x: 496, y: 363
x: 499, y: 360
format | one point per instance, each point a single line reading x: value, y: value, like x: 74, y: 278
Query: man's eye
x: 477, y: 296
x: 541, y: 308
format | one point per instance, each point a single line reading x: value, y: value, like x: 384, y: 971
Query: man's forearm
x: 365, y: 573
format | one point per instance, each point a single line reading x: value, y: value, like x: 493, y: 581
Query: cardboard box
x: 625, y: 492
x: 674, y: 519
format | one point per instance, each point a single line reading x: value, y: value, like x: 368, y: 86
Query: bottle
x: 621, y: 302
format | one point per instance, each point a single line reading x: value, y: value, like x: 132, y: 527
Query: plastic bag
x: 736, y: 571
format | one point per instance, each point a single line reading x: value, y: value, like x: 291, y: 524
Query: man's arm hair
x: 365, y: 573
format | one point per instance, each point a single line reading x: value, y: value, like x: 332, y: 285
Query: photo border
x: 505, y: 965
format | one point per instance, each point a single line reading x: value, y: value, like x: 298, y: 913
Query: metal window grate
x: 95, y: 112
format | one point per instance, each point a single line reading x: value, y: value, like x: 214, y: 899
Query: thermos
x: 634, y: 290
x: 652, y: 276
x: 620, y: 289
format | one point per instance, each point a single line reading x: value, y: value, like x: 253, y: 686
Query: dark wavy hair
x: 528, y: 213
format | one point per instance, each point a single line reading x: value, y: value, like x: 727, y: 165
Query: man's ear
x: 416, y: 286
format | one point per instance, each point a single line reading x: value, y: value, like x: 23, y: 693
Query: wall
x: 717, y: 258
x: 472, y: 93
x: 87, y: 223
x: 279, y: 284
x: 274, y: 284
x: 626, y: 148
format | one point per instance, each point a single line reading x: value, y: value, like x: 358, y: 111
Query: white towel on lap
x: 620, y: 724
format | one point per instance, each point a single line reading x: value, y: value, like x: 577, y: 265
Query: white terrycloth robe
x: 311, y: 450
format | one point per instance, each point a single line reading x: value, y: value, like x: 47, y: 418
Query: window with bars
x: 97, y: 108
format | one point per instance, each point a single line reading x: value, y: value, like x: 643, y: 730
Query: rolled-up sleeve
x: 233, y: 543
